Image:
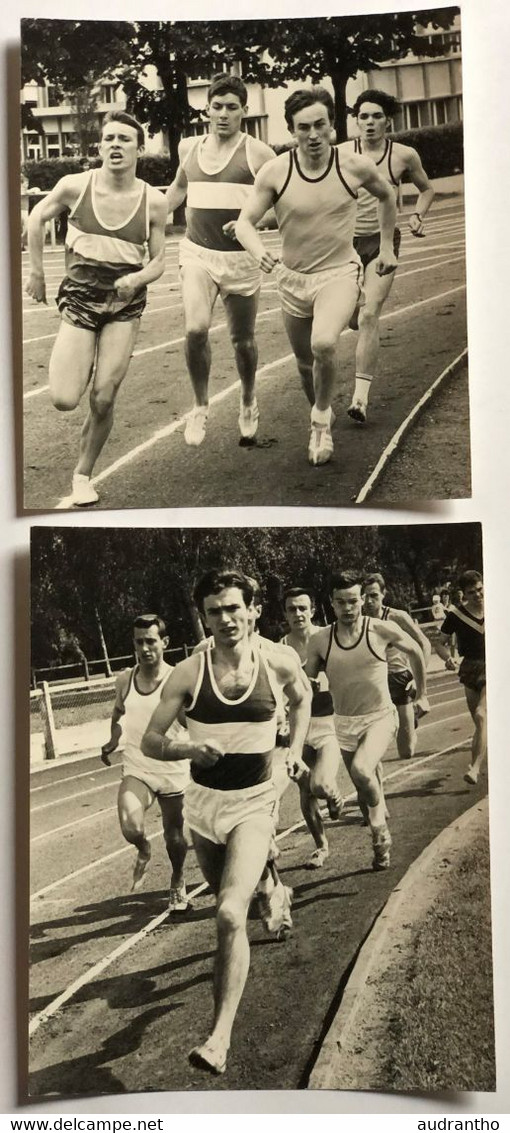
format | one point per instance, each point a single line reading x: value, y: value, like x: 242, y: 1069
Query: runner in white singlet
x: 353, y: 653
x: 116, y: 222
x: 373, y: 111
x: 138, y: 693
x: 229, y: 694
x: 215, y: 175
x: 314, y: 192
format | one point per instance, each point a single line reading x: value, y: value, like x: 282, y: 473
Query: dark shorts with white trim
x: 472, y: 674
x: 402, y: 687
x: 368, y: 247
x: 91, y: 308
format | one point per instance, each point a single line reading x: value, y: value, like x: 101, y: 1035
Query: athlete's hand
x: 267, y: 262
x: 416, y: 226
x: 36, y: 287
x: 296, y: 767
x: 230, y: 229
x: 106, y: 752
x: 127, y: 286
x: 450, y: 664
x: 386, y: 262
x: 421, y: 706
x: 207, y: 755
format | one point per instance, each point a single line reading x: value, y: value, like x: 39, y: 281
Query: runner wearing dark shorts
x: 466, y: 621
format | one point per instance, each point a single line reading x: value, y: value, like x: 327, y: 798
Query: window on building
x: 107, y: 93
x: 53, y: 99
x: 448, y: 41
x: 436, y: 112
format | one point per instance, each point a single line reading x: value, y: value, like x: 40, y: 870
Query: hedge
x: 44, y: 174
x: 440, y: 147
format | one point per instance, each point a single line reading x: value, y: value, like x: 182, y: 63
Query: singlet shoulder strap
x: 330, y: 643
x: 369, y: 643
x: 86, y: 189
x: 192, y: 151
x: 198, y: 685
x: 389, y: 151
x: 278, y: 196
x: 352, y: 192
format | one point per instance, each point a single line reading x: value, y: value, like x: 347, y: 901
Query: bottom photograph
x: 259, y: 835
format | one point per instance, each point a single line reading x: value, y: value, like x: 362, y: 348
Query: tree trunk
x: 102, y: 641
x: 339, y: 80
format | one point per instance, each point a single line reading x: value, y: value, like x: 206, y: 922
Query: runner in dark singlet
x: 466, y: 621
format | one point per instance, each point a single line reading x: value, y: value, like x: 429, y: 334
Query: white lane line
x: 70, y: 825
x: 161, y: 434
x: 434, y: 723
x: 71, y: 778
x: 70, y: 798
x: 90, y: 974
x: 392, y: 446
x: 96, y: 864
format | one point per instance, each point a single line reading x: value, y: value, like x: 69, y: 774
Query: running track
x: 119, y: 995
x: 146, y: 463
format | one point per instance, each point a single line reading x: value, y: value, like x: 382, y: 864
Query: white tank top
x: 398, y: 661
x: 357, y: 675
x: 316, y: 217
x: 367, y: 216
x: 138, y: 709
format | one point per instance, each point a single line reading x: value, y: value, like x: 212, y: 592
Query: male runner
x: 215, y: 173
x: 466, y: 621
x: 400, y: 678
x: 373, y: 111
x: 138, y: 692
x: 353, y: 653
x: 229, y: 694
x: 321, y: 753
x: 314, y: 197
x: 114, y: 220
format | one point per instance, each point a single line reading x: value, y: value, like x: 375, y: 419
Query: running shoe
x: 471, y: 777
x: 248, y: 421
x: 274, y: 910
x: 357, y: 411
x: 196, y: 423
x: 317, y: 859
x: 381, y: 839
x: 207, y: 1057
x: 320, y: 445
x: 335, y: 805
x: 83, y: 494
x: 178, y: 901
x: 140, y: 867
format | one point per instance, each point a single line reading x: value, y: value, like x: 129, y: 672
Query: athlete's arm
x: 299, y: 697
x: 387, y: 215
x: 259, y: 201
x: 405, y: 621
x: 427, y: 192
x: 391, y: 634
x: 177, y: 691
x: 315, y: 660
x: 260, y: 153
x: 62, y: 196
x: 117, y: 713
x: 443, y: 645
x: 177, y: 191
x: 128, y: 285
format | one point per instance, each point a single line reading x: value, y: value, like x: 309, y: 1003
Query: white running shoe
x: 358, y: 411
x: 317, y: 859
x: 248, y: 420
x: 381, y: 839
x: 196, y: 423
x: 178, y: 901
x: 274, y: 910
x: 83, y: 494
x: 320, y: 445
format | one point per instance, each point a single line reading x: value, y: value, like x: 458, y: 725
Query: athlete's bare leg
x: 244, y: 858
x: 477, y: 704
x: 363, y: 769
x: 173, y: 829
x: 133, y: 800
x: 114, y: 349
x: 241, y: 311
x: 376, y: 290
x: 199, y: 294
x: 299, y: 333
x: 406, y: 735
x: 71, y: 364
x: 332, y: 310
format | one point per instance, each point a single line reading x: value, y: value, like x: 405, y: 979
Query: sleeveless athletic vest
x: 245, y: 728
x: 98, y: 254
x: 138, y: 709
x: 397, y: 659
x: 322, y: 702
x: 316, y: 217
x: 367, y: 220
x: 215, y: 198
x: 357, y: 675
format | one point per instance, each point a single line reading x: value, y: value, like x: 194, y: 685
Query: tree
x: 84, y: 103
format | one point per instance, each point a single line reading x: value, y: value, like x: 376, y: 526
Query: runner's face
x: 372, y: 122
x: 312, y: 130
x: 347, y: 605
x: 372, y: 600
x: 473, y: 596
x: 299, y: 612
x: 228, y: 617
x: 226, y: 113
x: 119, y: 148
x: 149, y: 646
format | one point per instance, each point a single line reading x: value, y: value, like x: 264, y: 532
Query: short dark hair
x: 372, y: 580
x: 221, y: 579
x: 468, y: 579
x: 387, y: 102
x: 344, y: 579
x: 227, y: 84
x: 300, y: 99
x: 296, y: 592
x: 128, y: 120
x: 256, y: 587
x: 145, y: 621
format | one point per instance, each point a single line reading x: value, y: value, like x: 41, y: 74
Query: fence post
x: 50, y: 732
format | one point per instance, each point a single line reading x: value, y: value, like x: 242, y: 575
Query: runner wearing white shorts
x: 215, y: 174
x: 314, y: 198
x: 138, y: 692
x: 229, y: 694
x: 353, y: 654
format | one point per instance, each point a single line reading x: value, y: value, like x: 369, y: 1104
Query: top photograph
x: 243, y: 262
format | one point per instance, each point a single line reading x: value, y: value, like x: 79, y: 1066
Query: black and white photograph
x: 259, y: 833
x: 243, y: 262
